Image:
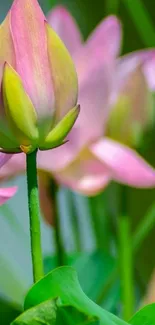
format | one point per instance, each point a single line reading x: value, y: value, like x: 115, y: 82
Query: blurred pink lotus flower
x: 6, y: 193
x: 38, y: 82
x: 116, y: 105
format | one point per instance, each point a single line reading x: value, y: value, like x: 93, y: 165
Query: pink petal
x: 96, y: 70
x: 146, y: 58
x: 149, y: 70
x: 65, y: 26
x: 108, y: 35
x: 6, y: 194
x: 50, y: 161
x: 103, y: 42
x: 88, y: 185
x: 86, y: 175
x: 126, y: 165
x: 94, y: 98
x: 58, y: 158
x: 127, y: 64
x: 131, y: 103
x: 29, y: 38
x: 7, y: 50
x: 4, y: 159
x: 13, y: 167
x: 64, y: 74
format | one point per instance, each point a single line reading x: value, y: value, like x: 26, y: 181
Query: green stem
x: 99, y: 221
x: 138, y: 238
x: 96, y: 225
x: 57, y: 229
x: 75, y: 222
x: 143, y: 229
x: 58, y: 240
x: 126, y: 259
x: 34, y: 215
x: 126, y: 267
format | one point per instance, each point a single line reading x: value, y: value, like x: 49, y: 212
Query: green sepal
x: 19, y: 110
x: 56, y: 137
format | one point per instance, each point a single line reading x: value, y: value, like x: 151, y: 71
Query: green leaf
x: 93, y: 270
x: 63, y: 283
x: 145, y: 316
x: 71, y: 316
x: 92, y: 322
x: 8, y: 312
x: 43, y: 314
x: 49, y: 313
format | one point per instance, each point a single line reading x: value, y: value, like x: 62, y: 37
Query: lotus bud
x: 39, y: 88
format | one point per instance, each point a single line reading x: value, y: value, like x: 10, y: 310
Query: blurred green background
x: 138, y: 21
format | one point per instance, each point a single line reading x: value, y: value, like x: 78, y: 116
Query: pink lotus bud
x: 39, y: 82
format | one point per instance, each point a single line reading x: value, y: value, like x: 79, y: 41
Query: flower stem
x: 143, y: 229
x: 99, y: 221
x: 126, y: 267
x: 34, y: 215
x: 126, y: 259
x: 57, y: 229
x: 75, y: 222
x: 137, y: 240
x: 58, y: 240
